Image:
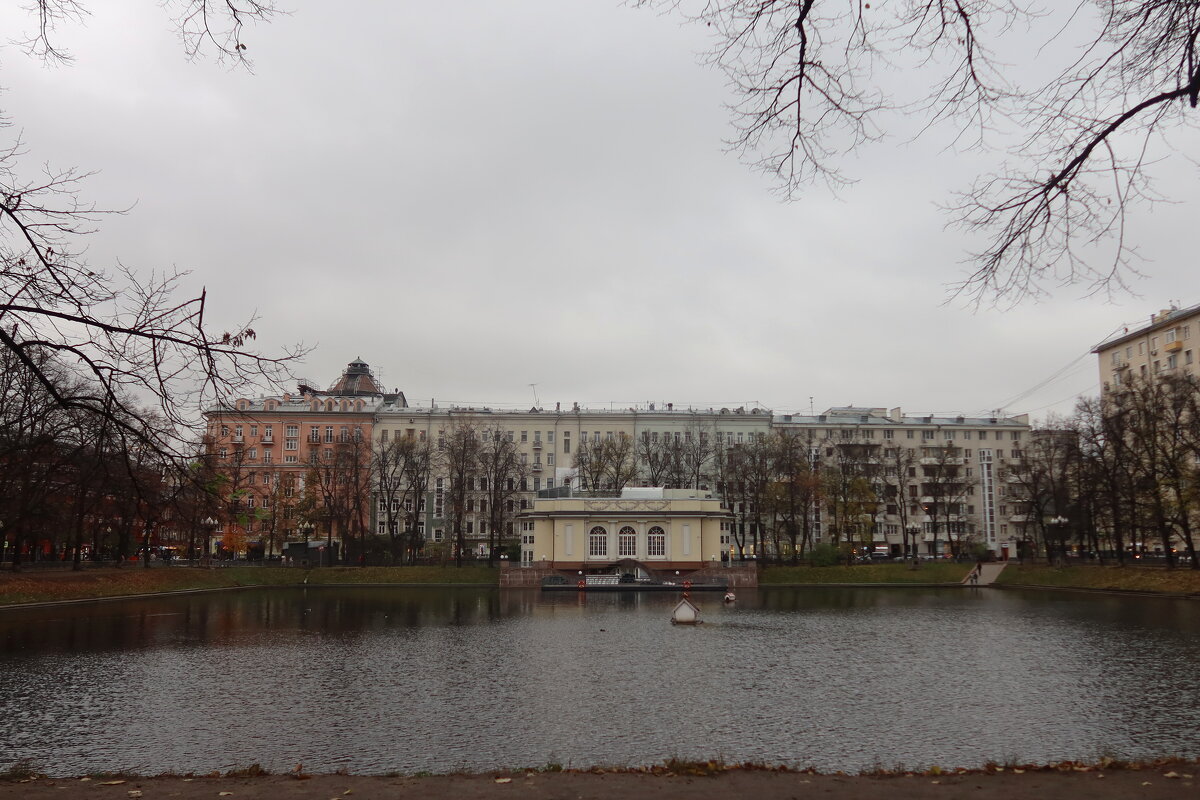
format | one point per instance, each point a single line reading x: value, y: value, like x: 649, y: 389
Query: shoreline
x: 35, y: 589
x: 1167, y: 779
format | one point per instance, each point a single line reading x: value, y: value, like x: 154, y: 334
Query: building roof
x: 879, y: 417
x: 356, y: 380
x: 1163, y: 319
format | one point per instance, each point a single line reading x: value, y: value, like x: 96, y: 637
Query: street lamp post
x: 1058, y: 524
x: 914, y: 530
x: 209, y: 524
x: 306, y: 529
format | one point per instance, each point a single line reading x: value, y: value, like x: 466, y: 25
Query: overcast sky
x: 477, y: 196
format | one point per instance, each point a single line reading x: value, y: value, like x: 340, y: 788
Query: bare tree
x: 849, y: 470
x: 809, y: 91
x: 900, y: 487
x: 607, y: 465
x: 946, y: 488
x: 745, y: 472
x: 502, y: 474
x: 460, y: 464
x: 144, y: 356
x: 793, y: 497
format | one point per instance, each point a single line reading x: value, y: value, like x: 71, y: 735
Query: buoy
x: 581, y: 584
x: 729, y: 597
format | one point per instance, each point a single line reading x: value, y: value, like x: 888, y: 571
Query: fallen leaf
x: 135, y: 793
x: 1019, y: 771
x: 224, y: 794
x: 111, y: 783
x: 1171, y: 775
x: 935, y: 781
x: 1145, y: 783
x: 503, y: 780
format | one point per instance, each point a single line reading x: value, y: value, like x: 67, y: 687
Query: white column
x: 687, y: 539
x: 568, y: 535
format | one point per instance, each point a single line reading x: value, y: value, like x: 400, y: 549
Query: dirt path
x: 1162, y: 783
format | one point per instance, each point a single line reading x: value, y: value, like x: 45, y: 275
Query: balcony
x: 1173, y: 347
x: 537, y: 444
x: 535, y: 467
x: 955, y: 461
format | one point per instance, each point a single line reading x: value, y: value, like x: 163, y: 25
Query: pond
x: 407, y: 680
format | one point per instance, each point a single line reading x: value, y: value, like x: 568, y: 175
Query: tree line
x: 1119, y: 476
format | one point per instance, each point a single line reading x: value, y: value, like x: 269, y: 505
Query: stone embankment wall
x: 735, y: 576
x: 517, y: 577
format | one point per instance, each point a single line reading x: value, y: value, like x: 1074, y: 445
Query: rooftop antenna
x: 536, y: 403
x: 810, y: 406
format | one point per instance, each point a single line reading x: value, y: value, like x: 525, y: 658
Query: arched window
x: 598, y: 542
x: 329, y: 405
x: 241, y: 405
x: 627, y: 542
x: 656, y: 542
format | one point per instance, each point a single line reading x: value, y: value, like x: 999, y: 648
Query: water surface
x: 383, y: 680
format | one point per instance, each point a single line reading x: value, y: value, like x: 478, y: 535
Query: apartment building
x: 267, y: 449
x: 938, y: 480
x: 547, y: 443
x: 1164, y: 345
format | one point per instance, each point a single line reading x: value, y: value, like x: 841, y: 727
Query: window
x: 966, y: 434
x: 314, y: 435
x: 1016, y: 436
x: 524, y: 436
x: 566, y: 442
x: 888, y: 434
x: 266, y: 456
x: 982, y: 435
x: 224, y: 431
x: 627, y: 542
x: 268, y: 433
x: 908, y: 434
x: 291, y: 459
x: 598, y: 542
x: 656, y: 542
x: 926, y: 435
x: 224, y: 453
x: 252, y: 455
x: 550, y: 459
x: 292, y: 430
x: 329, y: 433
x: 383, y: 435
